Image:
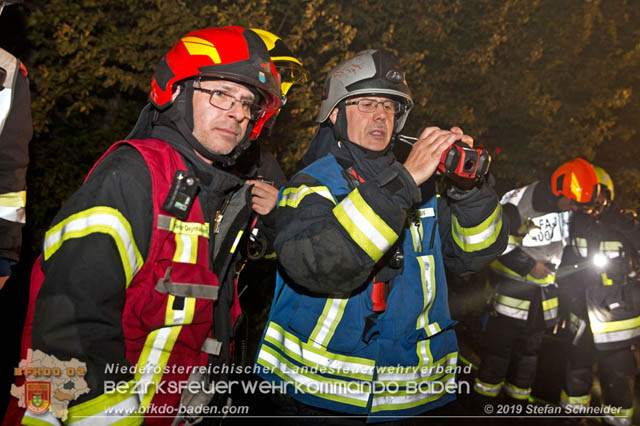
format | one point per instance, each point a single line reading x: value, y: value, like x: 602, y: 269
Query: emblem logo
x: 38, y: 396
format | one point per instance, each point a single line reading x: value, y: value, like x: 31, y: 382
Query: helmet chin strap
x: 181, y: 115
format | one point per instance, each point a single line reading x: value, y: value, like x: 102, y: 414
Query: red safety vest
x: 169, y: 302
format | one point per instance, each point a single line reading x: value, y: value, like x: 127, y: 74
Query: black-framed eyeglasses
x: 225, y: 102
x: 371, y: 105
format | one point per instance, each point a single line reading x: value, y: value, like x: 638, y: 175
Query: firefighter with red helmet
x: 136, y: 276
x: 597, y: 287
x: 525, y: 300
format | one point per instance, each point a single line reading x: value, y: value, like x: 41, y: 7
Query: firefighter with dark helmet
x: 525, y: 300
x: 598, y: 279
x: 138, y: 267
x: 362, y: 242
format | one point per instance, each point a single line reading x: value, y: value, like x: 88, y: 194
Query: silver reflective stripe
x: 13, y: 214
x: 511, y: 312
x: 40, y: 419
x: 114, y: 414
x: 212, y: 346
x: 616, y: 336
x: 487, y: 388
x: 199, y: 291
x: 550, y: 314
x: 482, y: 235
x: 516, y: 391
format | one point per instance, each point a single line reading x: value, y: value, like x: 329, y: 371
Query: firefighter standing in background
x: 601, y: 262
x: 525, y: 300
x: 15, y: 133
x: 138, y: 267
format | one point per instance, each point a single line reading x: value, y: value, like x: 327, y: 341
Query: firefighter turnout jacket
x: 538, y: 231
x: 15, y: 133
x: 597, y: 264
x: 360, y: 320
x: 145, y: 299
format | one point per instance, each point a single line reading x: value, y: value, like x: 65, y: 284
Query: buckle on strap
x: 212, y: 346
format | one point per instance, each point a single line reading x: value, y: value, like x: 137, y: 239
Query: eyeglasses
x: 371, y: 105
x: 225, y: 101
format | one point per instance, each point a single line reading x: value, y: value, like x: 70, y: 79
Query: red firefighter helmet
x: 577, y: 180
x: 230, y: 53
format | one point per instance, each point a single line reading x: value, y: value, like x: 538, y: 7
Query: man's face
x: 371, y: 130
x: 219, y: 131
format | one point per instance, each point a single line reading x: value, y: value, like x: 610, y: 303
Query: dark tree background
x: 536, y: 82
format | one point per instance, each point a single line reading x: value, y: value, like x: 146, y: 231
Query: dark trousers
x: 511, y: 351
x: 616, y: 371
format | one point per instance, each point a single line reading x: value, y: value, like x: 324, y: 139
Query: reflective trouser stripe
x: 105, y: 220
x: 364, y: 226
x: 575, y: 402
x: 478, y: 237
x: 622, y: 417
x: 487, y: 389
x: 516, y: 392
x: 12, y: 206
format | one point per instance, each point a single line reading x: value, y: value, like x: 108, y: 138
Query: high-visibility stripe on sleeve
x: 105, y: 220
x: 364, y: 226
x: 117, y: 407
x: 292, y: 197
x: 480, y: 236
x: 499, y: 268
x: 12, y: 206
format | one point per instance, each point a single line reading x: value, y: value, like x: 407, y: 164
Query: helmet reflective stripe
x: 370, y: 72
x: 576, y: 180
x: 282, y: 57
x: 604, y: 179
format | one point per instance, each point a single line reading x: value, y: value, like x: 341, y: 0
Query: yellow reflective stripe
x: 312, y: 383
x: 417, y: 235
x: 236, y: 241
x: 328, y: 321
x: 428, y: 281
x: 123, y: 399
x: 186, y: 248
x: 318, y: 359
x: 187, y: 228
x: 364, y: 225
x: 503, y: 270
x: 550, y: 304
x: 512, y: 302
x: 516, y: 392
x: 487, y: 389
x: 106, y: 220
x: 403, y: 399
x: 612, y: 326
x: 478, y: 237
x: 158, y: 347
x: 45, y: 419
x: 13, y: 199
x: 292, y: 197
x: 417, y: 374
x: 574, y: 400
